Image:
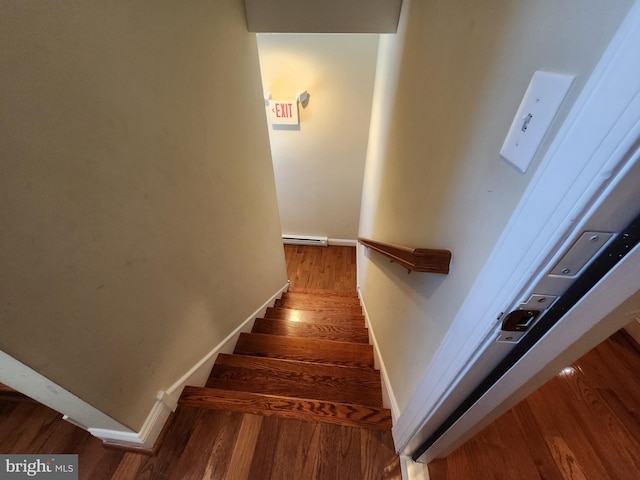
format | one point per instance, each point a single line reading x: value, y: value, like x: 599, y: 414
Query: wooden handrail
x: 413, y: 259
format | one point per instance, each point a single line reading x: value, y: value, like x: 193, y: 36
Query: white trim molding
x: 388, y: 397
x: 343, y: 242
x: 24, y: 379
x: 413, y: 470
x: 589, y: 154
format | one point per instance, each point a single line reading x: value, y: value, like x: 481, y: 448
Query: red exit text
x: 283, y: 110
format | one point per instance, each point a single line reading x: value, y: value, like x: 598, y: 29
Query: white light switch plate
x: 535, y: 114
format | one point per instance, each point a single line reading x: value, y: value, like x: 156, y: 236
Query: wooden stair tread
x: 327, y: 331
x: 302, y: 409
x: 295, y: 314
x: 305, y: 349
x: 297, y: 379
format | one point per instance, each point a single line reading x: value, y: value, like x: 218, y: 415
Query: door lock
x: 516, y: 323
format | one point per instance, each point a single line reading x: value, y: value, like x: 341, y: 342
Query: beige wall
x: 139, y: 225
x: 447, y: 88
x: 319, y: 168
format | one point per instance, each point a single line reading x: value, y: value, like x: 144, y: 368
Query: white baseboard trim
x: 24, y: 379
x: 343, y: 242
x: 388, y: 397
x: 167, y: 401
x: 413, y: 470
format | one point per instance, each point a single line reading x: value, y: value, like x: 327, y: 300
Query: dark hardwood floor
x: 219, y: 444
x: 583, y: 424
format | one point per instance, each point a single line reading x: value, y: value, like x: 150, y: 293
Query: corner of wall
x: 167, y: 401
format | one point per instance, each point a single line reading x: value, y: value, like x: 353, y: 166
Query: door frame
x: 590, y: 154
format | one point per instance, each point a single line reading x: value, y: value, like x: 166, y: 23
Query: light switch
x: 535, y: 114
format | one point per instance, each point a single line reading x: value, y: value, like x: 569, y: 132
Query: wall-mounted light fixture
x: 303, y: 98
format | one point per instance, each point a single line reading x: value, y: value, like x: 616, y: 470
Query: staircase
x: 308, y: 359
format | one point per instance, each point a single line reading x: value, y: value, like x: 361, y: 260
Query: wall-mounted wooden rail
x: 413, y: 259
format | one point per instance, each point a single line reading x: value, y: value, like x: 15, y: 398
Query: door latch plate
x: 581, y: 252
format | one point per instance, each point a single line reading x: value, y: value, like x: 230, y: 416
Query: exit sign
x: 283, y: 113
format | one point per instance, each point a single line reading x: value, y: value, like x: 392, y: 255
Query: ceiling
x: 323, y: 16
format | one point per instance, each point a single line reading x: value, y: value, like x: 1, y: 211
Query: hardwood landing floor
x: 207, y: 444
x: 583, y: 424
x: 325, y: 268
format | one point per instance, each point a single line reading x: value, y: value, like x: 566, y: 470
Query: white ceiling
x: 323, y: 16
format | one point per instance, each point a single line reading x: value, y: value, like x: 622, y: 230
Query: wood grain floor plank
x: 518, y: 460
x: 262, y: 464
x: 559, y: 422
x: 376, y: 444
x: 629, y: 418
x: 565, y: 458
x: 592, y: 413
x: 535, y: 442
x: 244, y: 449
x: 182, y: 424
x: 296, y: 453
x: 129, y: 466
x: 20, y: 433
x: 224, y: 427
x: 340, y: 443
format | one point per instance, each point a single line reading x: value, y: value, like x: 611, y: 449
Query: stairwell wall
x: 447, y: 87
x: 137, y: 196
x: 320, y: 165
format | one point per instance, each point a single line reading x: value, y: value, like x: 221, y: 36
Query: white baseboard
x: 388, y: 397
x: 413, y: 470
x: 167, y: 401
x: 343, y: 242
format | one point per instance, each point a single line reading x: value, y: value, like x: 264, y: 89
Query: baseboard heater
x: 305, y: 240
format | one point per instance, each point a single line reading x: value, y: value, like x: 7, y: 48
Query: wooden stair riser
x: 297, y: 379
x: 315, y: 291
x: 319, y: 307
x: 305, y: 350
x: 297, y: 315
x: 331, y: 301
x: 340, y: 333
x: 336, y: 413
